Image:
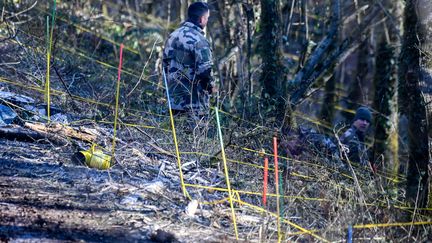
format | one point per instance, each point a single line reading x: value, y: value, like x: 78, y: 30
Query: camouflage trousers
x: 188, y: 97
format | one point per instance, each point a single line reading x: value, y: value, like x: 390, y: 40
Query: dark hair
x: 196, y: 10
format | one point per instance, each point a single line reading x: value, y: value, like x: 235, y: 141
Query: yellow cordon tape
x: 315, y: 121
x: 289, y: 197
x: 79, y: 53
x: 231, y: 192
x: 136, y: 75
x: 49, y: 50
x: 117, y: 101
x: 165, y: 130
x: 174, y: 136
x: 57, y: 92
x: 47, y: 77
x: 255, y: 193
x: 366, y: 226
x: 258, y: 126
x: 249, y: 164
x: 91, y: 32
x: 226, y: 173
x: 305, y: 231
x: 294, y: 160
x: 215, y: 202
x: 109, y: 122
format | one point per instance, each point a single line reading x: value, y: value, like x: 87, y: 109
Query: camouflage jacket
x: 355, y: 147
x: 187, y: 60
x: 320, y: 145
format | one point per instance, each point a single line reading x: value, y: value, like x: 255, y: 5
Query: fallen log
x: 62, y: 130
x: 14, y: 132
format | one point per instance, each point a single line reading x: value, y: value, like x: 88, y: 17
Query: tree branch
x: 327, y: 63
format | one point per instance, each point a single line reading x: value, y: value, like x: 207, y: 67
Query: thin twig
x: 144, y: 68
x: 75, y: 106
x: 22, y: 11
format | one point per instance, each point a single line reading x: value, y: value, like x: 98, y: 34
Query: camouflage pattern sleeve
x: 357, y: 151
x: 204, y: 63
x: 353, y: 151
x: 203, y: 56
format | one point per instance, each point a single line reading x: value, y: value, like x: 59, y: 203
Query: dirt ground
x: 46, y: 198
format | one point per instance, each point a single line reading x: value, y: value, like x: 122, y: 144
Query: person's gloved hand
x: 209, y: 87
x: 206, y: 81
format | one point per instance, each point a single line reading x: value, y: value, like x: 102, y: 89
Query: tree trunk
x: 385, y: 104
x: 413, y: 104
x: 326, y: 56
x: 329, y: 104
x: 269, y: 47
x: 330, y: 97
x: 425, y: 19
x: 183, y: 10
x: 222, y: 9
x: 386, y: 143
x: 302, y: 80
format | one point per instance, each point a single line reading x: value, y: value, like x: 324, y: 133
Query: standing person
x: 187, y: 61
x: 354, y: 137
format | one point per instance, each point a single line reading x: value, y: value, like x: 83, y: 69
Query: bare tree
x: 386, y: 144
x: 413, y: 105
x: 270, y: 50
x: 424, y: 9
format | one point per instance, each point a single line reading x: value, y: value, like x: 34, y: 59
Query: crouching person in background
x: 353, y: 139
x: 308, y: 144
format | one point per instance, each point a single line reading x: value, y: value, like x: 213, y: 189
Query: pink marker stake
x: 121, y: 62
x: 277, y: 187
x: 264, y: 199
x: 276, y: 164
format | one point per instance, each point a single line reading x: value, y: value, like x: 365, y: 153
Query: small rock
x: 155, y: 187
x: 7, y: 115
x: 191, y: 208
x: 130, y: 200
x: 16, y: 98
x: 59, y: 117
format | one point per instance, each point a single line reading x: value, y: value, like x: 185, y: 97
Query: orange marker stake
x: 265, y: 181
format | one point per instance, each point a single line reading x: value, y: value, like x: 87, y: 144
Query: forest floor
x: 47, y: 196
x: 44, y: 197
